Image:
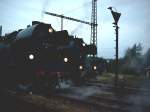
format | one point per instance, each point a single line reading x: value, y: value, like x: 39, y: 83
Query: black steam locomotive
x: 39, y: 56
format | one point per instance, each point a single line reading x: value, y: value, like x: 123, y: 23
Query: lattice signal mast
x: 94, y: 23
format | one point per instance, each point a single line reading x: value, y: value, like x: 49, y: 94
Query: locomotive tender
x: 39, y: 55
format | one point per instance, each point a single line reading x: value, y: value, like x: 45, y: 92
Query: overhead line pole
x: 70, y: 18
x: 62, y: 23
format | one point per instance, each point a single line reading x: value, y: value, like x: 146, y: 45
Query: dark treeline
x: 133, y: 62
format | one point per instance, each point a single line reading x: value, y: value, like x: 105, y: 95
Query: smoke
x: 44, y: 7
x: 82, y: 93
x: 79, y: 26
x: 146, y: 58
x: 84, y: 8
x: 141, y: 100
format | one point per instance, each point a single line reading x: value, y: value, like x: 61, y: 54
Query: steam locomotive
x: 39, y: 56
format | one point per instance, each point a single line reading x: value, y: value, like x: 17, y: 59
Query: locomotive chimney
x: 35, y: 22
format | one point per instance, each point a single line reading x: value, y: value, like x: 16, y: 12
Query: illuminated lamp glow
x: 94, y: 67
x: 50, y: 30
x: 83, y: 44
x: 65, y: 60
x: 31, y: 56
x: 80, y: 67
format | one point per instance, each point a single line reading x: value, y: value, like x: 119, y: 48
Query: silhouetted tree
x: 146, y: 59
x: 132, y: 61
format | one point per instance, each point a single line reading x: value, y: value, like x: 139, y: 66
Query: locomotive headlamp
x: 65, y: 60
x: 81, y: 67
x: 94, y: 67
x: 50, y: 30
x: 83, y: 44
x: 31, y: 56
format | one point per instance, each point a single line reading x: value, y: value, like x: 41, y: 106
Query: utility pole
x: 62, y: 23
x: 116, y: 17
x: 69, y: 18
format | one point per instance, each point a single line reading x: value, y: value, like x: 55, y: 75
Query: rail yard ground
x: 132, y: 95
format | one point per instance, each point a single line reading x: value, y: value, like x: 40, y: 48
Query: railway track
x: 69, y: 100
x: 90, y: 104
x: 96, y: 105
x: 110, y: 87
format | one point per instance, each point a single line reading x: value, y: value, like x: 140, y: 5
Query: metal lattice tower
x: 94, y: 23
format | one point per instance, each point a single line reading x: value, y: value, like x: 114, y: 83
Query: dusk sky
x: 134, y: 22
